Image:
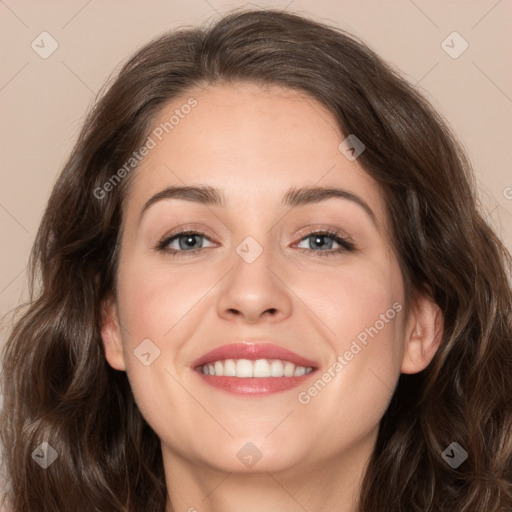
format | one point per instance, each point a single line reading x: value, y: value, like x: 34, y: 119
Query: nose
x: 255, y: 291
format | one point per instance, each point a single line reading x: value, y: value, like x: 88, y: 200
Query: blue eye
x: 186, y: 240
x: 188, y: 243
x: 318, y: 237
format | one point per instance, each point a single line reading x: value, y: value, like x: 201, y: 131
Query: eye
x: 184, y: 242
x: 317, y: 239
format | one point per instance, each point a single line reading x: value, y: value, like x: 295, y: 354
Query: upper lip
x: 252, y: 351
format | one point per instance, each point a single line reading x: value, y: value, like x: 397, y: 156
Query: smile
x: 253, y: 369
x: 260, y: 368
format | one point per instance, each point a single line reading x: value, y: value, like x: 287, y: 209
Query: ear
x: 111, y: 334
x: 424, y: 334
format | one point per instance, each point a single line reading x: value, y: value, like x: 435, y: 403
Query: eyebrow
x: 302, y: 196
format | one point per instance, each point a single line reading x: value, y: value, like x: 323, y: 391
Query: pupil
x: 190, y: 239
x: 319, y: 239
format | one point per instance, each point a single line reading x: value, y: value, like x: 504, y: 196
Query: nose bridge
x: 254, y: 234
x: 252, y: 289
x: 253, y: 262
x: 250, y: 250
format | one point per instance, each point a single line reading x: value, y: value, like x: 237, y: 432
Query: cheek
x: 156, y: 310
x: 360, y: 301
x: 361, y: 310
x: 353, y: 392
x: 155, y: 299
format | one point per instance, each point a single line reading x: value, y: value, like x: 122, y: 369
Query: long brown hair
x: 58, y: 386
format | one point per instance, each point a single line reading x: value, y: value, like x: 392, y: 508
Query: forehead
x: 253, y: 142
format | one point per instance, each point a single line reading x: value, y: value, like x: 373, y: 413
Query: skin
x: 255, y: 143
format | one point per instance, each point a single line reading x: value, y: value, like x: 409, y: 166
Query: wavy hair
x: 58, y: 387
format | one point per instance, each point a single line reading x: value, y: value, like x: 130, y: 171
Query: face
x: 305, y: 283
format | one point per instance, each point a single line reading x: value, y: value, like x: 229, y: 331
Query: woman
x: 339, y: 338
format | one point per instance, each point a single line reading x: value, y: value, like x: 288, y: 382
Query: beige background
x: 43, y: 101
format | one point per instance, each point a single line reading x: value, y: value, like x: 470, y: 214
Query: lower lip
x: 254, y: 385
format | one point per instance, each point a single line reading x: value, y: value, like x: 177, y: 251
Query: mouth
x: 259, y: 368
x: 251, y: 369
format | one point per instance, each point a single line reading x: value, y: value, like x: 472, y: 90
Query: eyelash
x: 347, y: 245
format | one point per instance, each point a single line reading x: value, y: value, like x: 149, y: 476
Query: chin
x: 246, y: 456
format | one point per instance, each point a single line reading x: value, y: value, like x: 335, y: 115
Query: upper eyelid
x: 315, y: 228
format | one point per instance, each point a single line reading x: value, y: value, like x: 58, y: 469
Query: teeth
x: 289, y: 368
x: 229, y: 368
x: 260, y: 368
x: 276, y: 368
x: 244, y: 368
x: 219, y: 369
